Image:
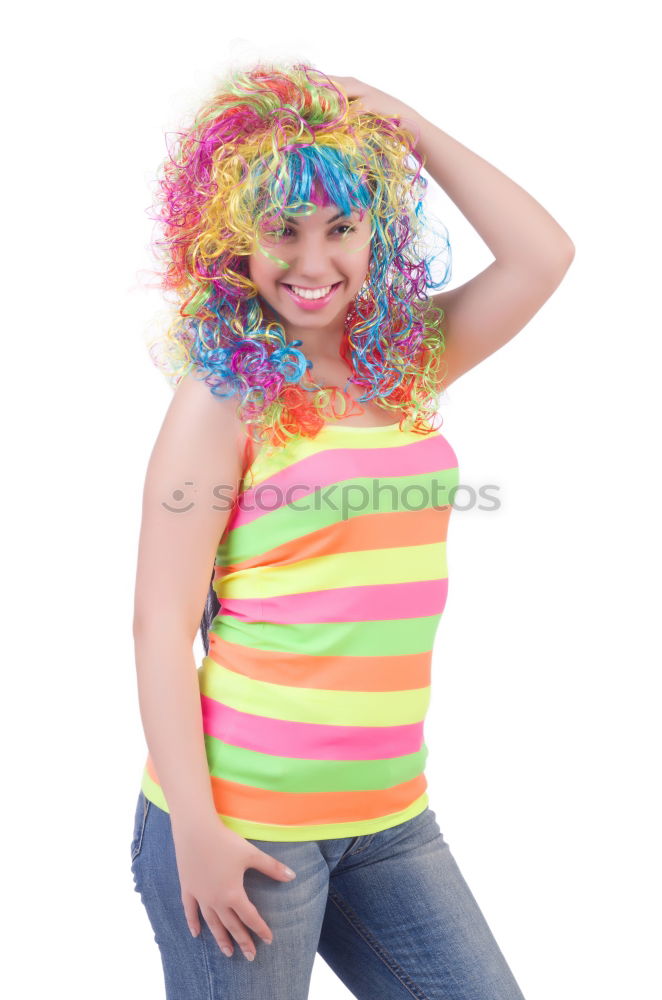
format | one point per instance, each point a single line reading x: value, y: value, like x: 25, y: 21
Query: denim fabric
x: 389, y: 912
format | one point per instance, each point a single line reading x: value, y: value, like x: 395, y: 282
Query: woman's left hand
x: 378, y: 103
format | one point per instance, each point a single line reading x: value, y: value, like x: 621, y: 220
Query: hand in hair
x: 377, y: 102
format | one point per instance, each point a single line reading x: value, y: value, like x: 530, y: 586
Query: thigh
x: 196, y: 968
x: 402, y: 922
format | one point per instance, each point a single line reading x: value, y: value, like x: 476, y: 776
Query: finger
x: 239, y: 932
x: 269, y: 865
x: 190, y: 905
x: 346, y: 82
x: 252, y: 917
x: 221, y: 936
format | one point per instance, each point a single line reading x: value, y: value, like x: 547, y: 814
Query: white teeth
x: 307, y: 293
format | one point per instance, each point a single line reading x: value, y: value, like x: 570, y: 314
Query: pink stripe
x: 308, y: 740
x: 377, y: 602
x: 334, y: 465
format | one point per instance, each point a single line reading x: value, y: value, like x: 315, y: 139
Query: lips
x: 307, y: 289
x: 311, y: 304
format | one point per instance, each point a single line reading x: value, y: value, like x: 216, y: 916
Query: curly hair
x: 277, y: 138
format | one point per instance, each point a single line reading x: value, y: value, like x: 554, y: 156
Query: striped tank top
x: 332, y: 578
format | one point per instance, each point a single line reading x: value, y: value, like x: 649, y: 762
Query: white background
x: 544, y: 763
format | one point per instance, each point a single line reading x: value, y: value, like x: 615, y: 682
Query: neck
x: 318, y: 344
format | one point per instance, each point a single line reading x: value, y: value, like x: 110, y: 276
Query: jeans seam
x: 372, y: 942
x: 361, y: 847
x: 139, y: 843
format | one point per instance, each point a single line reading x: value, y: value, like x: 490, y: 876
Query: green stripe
x: 393, y: 637
x: 316, y: 705
x: 295, y: 774
x: 305, y: 514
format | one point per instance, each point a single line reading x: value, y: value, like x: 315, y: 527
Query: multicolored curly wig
x: 286, y: 138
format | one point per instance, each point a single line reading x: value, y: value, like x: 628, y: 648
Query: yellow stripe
x: 407, y: 564
x: 317, y: 705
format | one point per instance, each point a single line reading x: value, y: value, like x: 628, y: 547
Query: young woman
x: 283, y: 809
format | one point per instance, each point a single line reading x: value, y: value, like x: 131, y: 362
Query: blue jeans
x: 389, y: 912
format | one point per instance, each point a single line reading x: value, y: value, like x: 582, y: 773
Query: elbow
x: 139, y: 626
x: 557, y: 265
x: 563, y: 249
x: 145, y: 619
x: 144, y: 625
x: 157, y: 624
x: 546, y: 267
x: 569, y: 252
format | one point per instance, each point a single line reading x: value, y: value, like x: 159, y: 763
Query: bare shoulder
x: 198, y: 412
x: 195, y: 396
x: 201, y: 435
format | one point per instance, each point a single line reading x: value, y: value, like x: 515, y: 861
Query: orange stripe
x: 332, y: 673
x: 298, y: 809
x: 357, y: 534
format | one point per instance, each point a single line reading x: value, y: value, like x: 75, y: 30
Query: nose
x: 312, y: 261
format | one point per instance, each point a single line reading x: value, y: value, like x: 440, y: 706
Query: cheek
x: 260, y: 272
x: 362, y: 263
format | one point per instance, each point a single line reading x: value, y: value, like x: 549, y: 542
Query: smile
x: 312, y: 298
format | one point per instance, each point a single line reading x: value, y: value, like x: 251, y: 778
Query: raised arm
x: 532, y: 251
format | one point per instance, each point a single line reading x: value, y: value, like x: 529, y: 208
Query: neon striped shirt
x: 332, y: 579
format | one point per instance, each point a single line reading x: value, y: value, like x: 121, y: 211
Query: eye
x: 285, y: 231
x: 276, y: 234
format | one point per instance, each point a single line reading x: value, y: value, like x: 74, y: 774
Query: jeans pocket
x: 140, y: 818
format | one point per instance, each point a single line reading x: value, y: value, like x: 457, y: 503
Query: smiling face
x: 327, y: 256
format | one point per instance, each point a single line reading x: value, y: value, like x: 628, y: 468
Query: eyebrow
x: 340, y: 215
